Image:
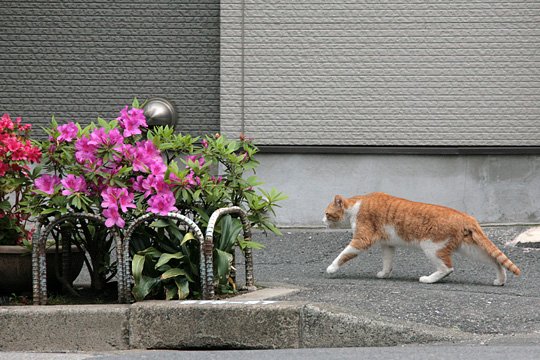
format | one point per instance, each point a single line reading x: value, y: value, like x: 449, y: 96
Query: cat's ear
x: 338, y: 200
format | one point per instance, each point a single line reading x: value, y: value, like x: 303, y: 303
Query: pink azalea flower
x: 31, y: 153
x: 204, y: 143
x: 158, y: 167
x: 150, y: 158
x: 148, y: 148
x: 73, y: 184
x: 115, y: 138
x: 113, y: 217
x: 131, y: 121
x: 68, y: 132
x: 6, y: 122
x: 12, y: 143
x: 195, y: 159
x: 100, y: 137
x: 154, y: 184
x: 18, y: 124
x: 46, y: 183
x: 4, y: 168
x: 174, y: 178
x: 112, y: 197
x: 162, y: 203
x: 191, y: 180
x: 86, y: 151
x: 144, y: 157
x: 97, y: 137
x: 126, y: 200
x: 137, y: 184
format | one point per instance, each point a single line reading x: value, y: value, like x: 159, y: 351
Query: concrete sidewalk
x: 304, y: 307
x: 465, y: 301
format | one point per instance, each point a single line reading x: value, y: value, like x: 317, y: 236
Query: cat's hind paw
x: 497, y: 282
x: 427, y: 280
x: 436, y: 276
x: 332, y: 269
x: 384, y: 275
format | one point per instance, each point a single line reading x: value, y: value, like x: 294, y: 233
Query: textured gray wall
x: 495, y: 189
x: 79, y: 59
x: 381, y: 72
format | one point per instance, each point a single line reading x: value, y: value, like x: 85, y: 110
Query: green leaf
x: 230, y: 229
x: 232, y: 147
x: 183, y: 288
x: 222, y: 261
x: 137, y: 266
x: 160, y: 223
x: 189, y: 236
x: 76, y: 202
x: 272, y: 228
x: 172, y: 273
x: 173, y: 231
x: 151, y: 251
x: 165, y: 258
x: 253, y: 181
x: 274, y: 196
x: 170, y: 291
x: 203, y: 214
x: 250, y: 244
x: 5, y: 205
x: 143, y: 287
x: 102, y: 122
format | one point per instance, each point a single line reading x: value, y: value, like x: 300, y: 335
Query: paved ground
x: 401, y: 353
x: 465, y: 300
x: 500, y: 317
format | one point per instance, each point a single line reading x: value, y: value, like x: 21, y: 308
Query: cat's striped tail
x: 482, y: 240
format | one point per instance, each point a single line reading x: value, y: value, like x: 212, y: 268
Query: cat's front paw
x: 332, y: 269
x: 383, y: 275
x: 498, y: 282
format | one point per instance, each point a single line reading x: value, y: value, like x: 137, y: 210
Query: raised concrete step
x: 227, y: 324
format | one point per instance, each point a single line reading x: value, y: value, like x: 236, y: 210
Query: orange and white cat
x: 392, y: 222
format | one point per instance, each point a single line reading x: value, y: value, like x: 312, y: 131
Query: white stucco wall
x: 495, y: 189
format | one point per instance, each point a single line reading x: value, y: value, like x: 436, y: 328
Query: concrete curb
x: 224, y: 324
x: 64, y: 328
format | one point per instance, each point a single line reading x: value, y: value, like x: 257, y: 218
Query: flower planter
x: 16, y: 268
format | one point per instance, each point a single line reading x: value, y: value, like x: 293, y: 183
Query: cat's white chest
x: 352, y: 214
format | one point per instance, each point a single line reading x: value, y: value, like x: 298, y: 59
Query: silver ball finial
x: 160, y: 112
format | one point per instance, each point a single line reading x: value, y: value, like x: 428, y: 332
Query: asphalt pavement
x: 379, y: 353
x: 464, y: 301
x: 465, y: 315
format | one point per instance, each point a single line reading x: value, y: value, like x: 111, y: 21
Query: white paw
x: 383, y: 275
x: 332, y: 269
x: 426, y: 280
x: 497, y: 282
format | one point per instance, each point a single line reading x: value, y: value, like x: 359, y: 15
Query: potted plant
x: 17, y: 157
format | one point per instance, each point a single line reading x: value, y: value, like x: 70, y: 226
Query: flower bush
x: 17, y: 154
x: 106, y: 168
x: 206, y: 175
x: 121, y: 170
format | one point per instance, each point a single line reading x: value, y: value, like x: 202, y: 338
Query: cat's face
x: 334, y: 214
